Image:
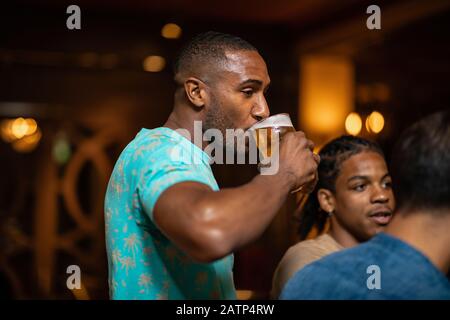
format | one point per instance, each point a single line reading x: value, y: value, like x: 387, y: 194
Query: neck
x: 427, y: 231
x: 183, y: 118
x: 341, y: 235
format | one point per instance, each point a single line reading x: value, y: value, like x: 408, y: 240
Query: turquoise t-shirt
x: 143, y: 263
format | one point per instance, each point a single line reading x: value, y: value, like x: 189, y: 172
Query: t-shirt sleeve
x: 162, y: 174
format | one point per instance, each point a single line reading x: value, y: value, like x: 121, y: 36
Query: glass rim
x: 255, y: 125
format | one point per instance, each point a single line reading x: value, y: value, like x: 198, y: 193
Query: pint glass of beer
x: 265, y: 131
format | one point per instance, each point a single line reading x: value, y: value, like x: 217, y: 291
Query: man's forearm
x: 241, y: 214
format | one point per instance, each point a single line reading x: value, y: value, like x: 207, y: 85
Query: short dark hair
x: 332, y: 155
x: 206, y: 47
x: 421, y: 164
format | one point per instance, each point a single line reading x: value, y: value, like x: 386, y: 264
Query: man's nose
x: 261, y: 110
x: 380, y: 195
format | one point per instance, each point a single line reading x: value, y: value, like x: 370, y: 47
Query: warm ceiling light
x: 23, y: 134
x: 19, y: 128
x: 171, y: 31
x: 353, y: 124
x: 154, y: 63
x: 375, y: 122
x: 6, y: 131
x: 27, y: 143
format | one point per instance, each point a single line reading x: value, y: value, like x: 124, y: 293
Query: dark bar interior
x: 71, y: 100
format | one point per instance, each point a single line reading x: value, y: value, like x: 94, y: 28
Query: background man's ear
x: 195, y: 91
x: 326, y: 200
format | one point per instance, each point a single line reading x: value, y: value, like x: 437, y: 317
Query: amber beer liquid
x: 264, y: 137
x: 263, y: 132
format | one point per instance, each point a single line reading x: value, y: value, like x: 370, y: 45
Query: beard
x: 217, y: 118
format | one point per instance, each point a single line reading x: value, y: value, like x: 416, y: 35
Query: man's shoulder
x: 352, y: 260
x: 160, y: 145
x: 343, y: 257
x: 155, y: 139
x: 349, y: 274
x: 317, y: 280
x: 333, y: 275
x: 312, y: 249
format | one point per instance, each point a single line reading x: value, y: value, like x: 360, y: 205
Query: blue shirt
x: 404, y: 273
x: 143, y: 263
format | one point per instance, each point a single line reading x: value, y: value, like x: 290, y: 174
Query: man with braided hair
x: 353, y: 197
x: 411, y: 258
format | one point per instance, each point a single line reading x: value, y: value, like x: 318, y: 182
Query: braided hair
x: 332, y: 155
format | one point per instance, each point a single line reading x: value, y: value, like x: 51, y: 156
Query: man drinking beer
x: 170, y: 230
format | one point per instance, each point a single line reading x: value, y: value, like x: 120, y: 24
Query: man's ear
x: 195, y: 91
x: 326, y: 200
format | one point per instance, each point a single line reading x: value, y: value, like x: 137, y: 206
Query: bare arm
x: 209, y: 225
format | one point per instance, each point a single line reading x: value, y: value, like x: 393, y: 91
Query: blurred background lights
x: 61, y: 149
x: 23, y: 134
x: 171, y: 31
x: 154, y: 63
x: 6, y: 131
x: 23, y: 127
x: 375, y: 122
x: 353, y: 124
x: 27, y: 143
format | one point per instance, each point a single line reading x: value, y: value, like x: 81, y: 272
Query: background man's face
x: 364, y: 198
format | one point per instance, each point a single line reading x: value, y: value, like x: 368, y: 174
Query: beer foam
x: 278, y: 120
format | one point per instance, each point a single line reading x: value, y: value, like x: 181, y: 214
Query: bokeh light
x: 154, y: 63
x: 375, y: 122
x: 171, y: 31
x: 353, y: 124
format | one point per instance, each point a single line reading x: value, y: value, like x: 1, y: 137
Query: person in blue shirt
x: 170, y: 231
x: 411, y: 259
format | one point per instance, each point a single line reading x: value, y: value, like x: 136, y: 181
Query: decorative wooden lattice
x: 56, y: 218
